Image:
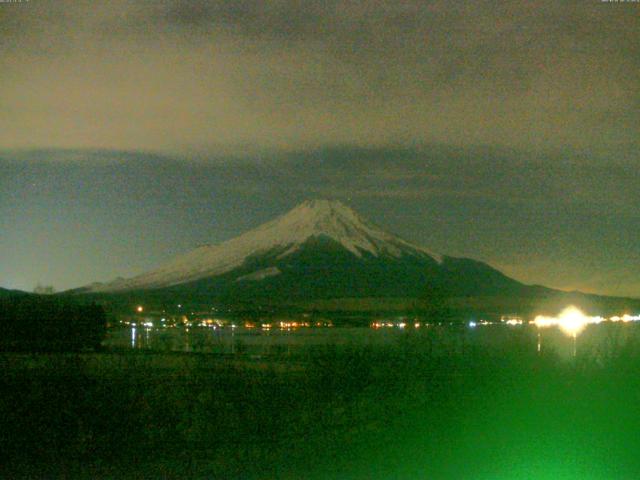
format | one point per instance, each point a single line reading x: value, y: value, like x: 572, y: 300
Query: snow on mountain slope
x: 260, y: 274
x: 285, y: 234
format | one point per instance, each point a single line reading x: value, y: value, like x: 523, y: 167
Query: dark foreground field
x: 396, y: 412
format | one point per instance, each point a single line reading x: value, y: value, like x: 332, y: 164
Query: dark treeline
x: 38, y: 323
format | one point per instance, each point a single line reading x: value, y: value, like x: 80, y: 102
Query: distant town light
x: 571, y: 321
x: 543, y: 322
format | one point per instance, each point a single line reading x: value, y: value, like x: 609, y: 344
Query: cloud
x: 253, y: 76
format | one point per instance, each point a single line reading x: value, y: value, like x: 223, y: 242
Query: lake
x: 596, y: 340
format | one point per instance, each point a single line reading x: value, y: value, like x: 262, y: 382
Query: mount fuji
x: 319, y: 250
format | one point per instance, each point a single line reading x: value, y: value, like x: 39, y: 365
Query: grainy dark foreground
x: 344, y: 413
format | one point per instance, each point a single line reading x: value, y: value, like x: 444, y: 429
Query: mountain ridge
x: 324, y: 251
x: 288, y: 232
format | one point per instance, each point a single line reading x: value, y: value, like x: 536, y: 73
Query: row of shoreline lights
x: 572, y: 320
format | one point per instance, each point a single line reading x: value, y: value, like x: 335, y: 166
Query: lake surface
x: 595, y: 340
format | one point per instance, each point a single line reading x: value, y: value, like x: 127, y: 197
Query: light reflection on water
x: 594, y: 340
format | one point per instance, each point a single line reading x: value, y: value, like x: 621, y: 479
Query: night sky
x: 502, y: 131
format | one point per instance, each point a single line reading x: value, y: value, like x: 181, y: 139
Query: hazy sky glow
x: 505, y: 131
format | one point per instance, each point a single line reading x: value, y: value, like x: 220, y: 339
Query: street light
x: 571, y: 321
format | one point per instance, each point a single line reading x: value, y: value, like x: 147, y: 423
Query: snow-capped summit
x: 312, y: 219
x: 332, y: 219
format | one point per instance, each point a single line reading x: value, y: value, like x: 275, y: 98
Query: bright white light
x: 472, y: 324
x: 511, y: 320
x: 573, y: 321
x: 542, y: 322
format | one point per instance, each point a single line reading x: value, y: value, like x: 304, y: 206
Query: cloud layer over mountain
x: 249, y: 75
